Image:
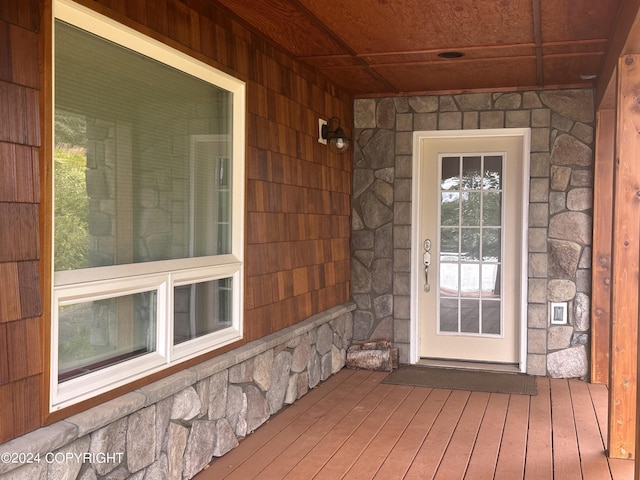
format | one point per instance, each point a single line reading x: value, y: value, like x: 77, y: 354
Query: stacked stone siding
x: 173, y: 428
x: 560, y: 212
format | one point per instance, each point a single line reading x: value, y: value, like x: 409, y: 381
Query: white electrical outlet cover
x: 559, y: 313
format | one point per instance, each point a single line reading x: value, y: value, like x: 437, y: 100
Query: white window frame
x: 79, y: 286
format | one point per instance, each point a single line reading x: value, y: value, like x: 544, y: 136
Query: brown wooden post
x: 626, y: 225
x: 637, y: 463
x: 601, y: 257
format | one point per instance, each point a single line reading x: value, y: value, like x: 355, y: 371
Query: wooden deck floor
x: 354, y: 427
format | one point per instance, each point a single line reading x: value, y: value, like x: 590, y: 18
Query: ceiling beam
x: 537, y: 35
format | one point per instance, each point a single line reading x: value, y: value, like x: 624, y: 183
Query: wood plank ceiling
x: 393, y: 47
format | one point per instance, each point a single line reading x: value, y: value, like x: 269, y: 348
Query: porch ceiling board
x: 374, y: 48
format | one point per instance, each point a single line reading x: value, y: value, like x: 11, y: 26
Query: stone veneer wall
x: 560, y: 212
x: 171, y: 429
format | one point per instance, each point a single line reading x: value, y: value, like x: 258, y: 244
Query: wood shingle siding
x: 21, y: 362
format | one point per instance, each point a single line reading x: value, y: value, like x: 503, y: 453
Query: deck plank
x: 405, y: 450
x: 566, y: 456
x: 456, y: 457
x: 325, y: 395
x: 365, y: 452
x: 354, y: 427
x: 514, y: 440
x: 485, y: 453
x: 363, y: 420
x: 272, y: 439
x: 281, y: 465
x: 427, y: 461
x: 539, y: 459
x: 622, y: 469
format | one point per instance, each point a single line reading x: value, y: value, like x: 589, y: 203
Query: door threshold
x: 487, y: 367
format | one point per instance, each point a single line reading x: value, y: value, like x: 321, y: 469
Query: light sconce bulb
x: 337, y: 140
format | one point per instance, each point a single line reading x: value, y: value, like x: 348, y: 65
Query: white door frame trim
x: 418, y: 136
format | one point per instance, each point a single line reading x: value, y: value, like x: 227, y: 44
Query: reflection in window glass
x: 491, y: 209
x: 449, y: 315
x: 97, y: 334
x: 471, y: 173
x: 130, y: 184
x: 449, y: 244
x: 449, y: 281
x: 201, y: 308
x: 470, y: 316
x: 490, y: 280
x: 471, y: 209
x: 471, y: 242
x: 469, y: 279
x: 450, y: 173
x: 492, y: 172
x: 491, y: 324
x: 450, y: 209
x: 491, y: 245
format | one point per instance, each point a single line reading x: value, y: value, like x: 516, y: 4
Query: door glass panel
x: 471, y: 209
x: 449, y: 315
x: 471, y: 244
x: 491, y: 244
x: 449, y: 281
x: 490, y: 280
x: 450, y: 209
x: 491, y: 317
x: 449, y: 246
x: 469, y: 278
x: 493, y: 172
x: 491, y: 208
x: 450, y: 173
x: 470, y: 316
x: 471, y: 168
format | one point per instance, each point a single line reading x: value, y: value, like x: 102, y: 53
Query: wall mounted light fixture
x: 337, y: 139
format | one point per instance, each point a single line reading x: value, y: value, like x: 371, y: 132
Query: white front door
x: 470, y: 227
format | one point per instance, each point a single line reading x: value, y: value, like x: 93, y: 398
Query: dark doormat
x: 459, y: 379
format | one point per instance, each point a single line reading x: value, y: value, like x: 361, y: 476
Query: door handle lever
x: 426, y: 260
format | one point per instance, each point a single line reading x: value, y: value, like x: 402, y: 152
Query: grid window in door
x: 471, y: 193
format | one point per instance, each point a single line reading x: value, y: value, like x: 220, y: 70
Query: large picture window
x: 148, y: 206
